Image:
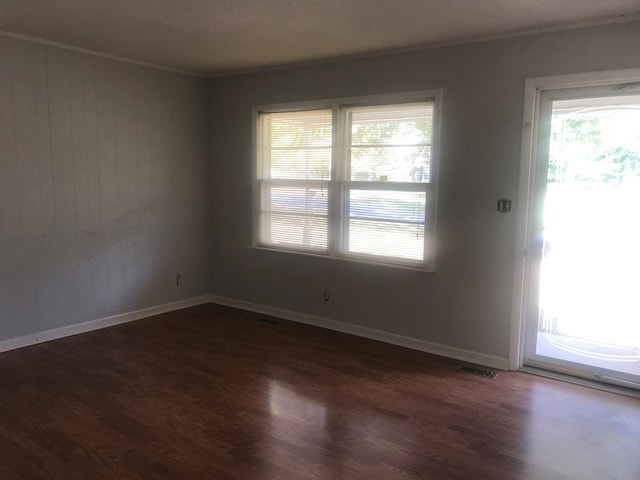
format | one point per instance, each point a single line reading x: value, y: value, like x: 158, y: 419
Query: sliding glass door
x: 585, y: 265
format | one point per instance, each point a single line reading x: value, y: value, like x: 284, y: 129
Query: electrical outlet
x: 325, y: 295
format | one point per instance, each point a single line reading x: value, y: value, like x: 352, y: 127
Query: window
x: 350, y: 179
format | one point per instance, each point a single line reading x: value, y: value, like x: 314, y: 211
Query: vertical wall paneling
x: 9, y: 193
x: 100, y: 199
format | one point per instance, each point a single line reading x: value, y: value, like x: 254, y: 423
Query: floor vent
x: 481, y: 372
x: 270, y: 321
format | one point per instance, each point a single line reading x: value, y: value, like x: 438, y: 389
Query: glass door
x: 586, y: 265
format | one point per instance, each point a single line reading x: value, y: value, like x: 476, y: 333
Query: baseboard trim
x: 351, y: 329
x: 67, y: 331
x: 370, y: 333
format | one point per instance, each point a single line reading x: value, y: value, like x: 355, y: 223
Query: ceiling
x: 215, y: 37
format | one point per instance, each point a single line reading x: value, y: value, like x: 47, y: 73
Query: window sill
x: 365, y: 261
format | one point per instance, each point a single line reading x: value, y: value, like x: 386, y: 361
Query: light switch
x: 504, y: 205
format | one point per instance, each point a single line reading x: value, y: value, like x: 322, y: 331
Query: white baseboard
x: 370, y: 333
x: 351, y: 329
x: 99, y: 323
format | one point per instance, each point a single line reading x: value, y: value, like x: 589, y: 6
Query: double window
x: 352, y: 178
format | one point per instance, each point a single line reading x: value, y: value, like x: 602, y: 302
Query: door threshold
x: 585, y: 382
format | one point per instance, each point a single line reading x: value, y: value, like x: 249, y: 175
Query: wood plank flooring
x: 214, y: 393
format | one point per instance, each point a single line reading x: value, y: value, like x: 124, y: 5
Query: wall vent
x: 480, y: 372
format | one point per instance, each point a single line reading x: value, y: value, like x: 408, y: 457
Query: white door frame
x: 524, y: 207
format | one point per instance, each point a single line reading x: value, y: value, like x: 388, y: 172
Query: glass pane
x: 388, y: 205
x: 296, y: 145
x: 393, y: 164
x: 386, y: 223
x: 294, y: 231
x: 396, y: 240
x: 301, y: 163
x: 295, y: 200
x: 391, y: 143
x: 590, y: 272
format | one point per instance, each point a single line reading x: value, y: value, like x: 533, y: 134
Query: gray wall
x: 467, y: 302
x: 104, y: 187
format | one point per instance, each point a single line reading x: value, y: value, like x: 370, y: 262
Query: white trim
x: 351, y: 329
x: 469, y: 40
x: 564, y: 377
x: 356, y: 101
x: 339, y: 184
x: 533, y: 88
x: 339, y: 258
x: 586, y: 79
x: 366, y: 332
x: 516, y: 352
x: 69, y: 330
x: 95, y: 53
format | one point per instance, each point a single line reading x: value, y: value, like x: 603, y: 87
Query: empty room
x: 318, y: 239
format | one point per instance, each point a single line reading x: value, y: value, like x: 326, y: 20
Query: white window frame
x: 533, y: 89
x: 338, y: 183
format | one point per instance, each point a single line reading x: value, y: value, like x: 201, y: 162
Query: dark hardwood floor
x: 212, y: 392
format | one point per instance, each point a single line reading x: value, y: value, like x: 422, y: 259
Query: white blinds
x: 294, y: 168
x: 380, y: 186
x: 389, y: 159
x: 386, y: 222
